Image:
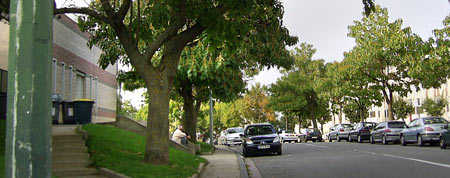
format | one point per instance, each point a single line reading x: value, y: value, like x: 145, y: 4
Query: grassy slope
x: 205, y: 147
x: 123, y: 152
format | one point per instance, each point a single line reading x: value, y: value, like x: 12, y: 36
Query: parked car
x: 444, y: 138
x: 388, y: 131
x: 260, y: 138
x: 339, y: 132
x: 361, y: 131
x: 310, y: 134
x: 288, y: 136
x: 232, y: 136
x: 423, y: 130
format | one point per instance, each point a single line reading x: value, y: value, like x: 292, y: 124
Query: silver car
x: 339, y: 132
x: 423, y: 130
x: 388, y: 131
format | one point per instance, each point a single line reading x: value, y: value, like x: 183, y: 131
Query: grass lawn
x: 123, y: 152
x: 205, y: 147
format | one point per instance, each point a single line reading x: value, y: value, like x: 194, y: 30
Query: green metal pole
x: 28, y: 132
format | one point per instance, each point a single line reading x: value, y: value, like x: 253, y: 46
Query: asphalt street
x: 346, y: 160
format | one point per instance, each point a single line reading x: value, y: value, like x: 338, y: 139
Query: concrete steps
x: 70, y: 157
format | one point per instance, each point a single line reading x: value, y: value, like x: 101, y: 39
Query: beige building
x: 76, y: 74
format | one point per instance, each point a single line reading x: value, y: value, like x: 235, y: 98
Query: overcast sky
x: 323, y: 23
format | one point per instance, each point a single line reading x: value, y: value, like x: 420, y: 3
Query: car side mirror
x: 241, y: 135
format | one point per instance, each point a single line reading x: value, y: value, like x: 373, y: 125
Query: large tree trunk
x: 191, y: 109
x: 340, y: 114
x: 159, y: 83
x: 389, y: 102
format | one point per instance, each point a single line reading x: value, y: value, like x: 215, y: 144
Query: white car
x: 288, y: 136
x: 232, y: 136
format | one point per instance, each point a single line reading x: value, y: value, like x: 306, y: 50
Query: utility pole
x: 211, y: 137
x: 28, y: 128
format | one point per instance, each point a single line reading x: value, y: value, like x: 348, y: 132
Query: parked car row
x: 422, y: 130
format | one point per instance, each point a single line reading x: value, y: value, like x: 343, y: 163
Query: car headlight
x: 277, y: 139
x: 249, y: 142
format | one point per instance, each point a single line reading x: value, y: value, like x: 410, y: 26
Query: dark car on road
x: 310, y: 134
x: 388, y: 131
x: 260, y: 138
x: 444, y: 138
x: 361, y: 131
x: 423, y: 130
x: 339, y: 132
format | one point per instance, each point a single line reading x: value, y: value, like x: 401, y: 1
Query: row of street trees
x: 387, y: 60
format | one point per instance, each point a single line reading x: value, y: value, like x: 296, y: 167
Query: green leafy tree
x: 402, y: 109
x: 434, y: 107
x: 127, y: 109
x: 256, y: 108
x: 301, y: 91
x: 230, y: 114
x: 353, y: 113
x: 386, y: 54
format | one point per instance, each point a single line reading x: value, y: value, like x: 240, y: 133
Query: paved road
x: 346, y: 160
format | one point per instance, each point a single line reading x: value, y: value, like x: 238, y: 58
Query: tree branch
x: 123, y: 9
x: 171, y: 30
x: 83, y: 10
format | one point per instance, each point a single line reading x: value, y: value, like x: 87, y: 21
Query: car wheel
x: 337, y: 138
x: 372, y: 141
x: 442, y: 143
x: 349, y: 138
x: 329, y: 138
x: 360, y: 139
x: 383, y: 140
x: 245, y: 153
x: 402, y: 140
x: 420, y: 141
x: 279, y: 153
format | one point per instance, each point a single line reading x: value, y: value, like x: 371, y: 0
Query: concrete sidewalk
x: 223, y: 163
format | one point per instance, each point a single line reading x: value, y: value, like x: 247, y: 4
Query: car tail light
x: 307, y: 133
x: 341, y: 130
x: 429, y: 129
x: 388, y: 130
x: 363, y: 130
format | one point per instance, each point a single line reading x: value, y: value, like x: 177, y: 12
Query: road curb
x: 200, y: 169
x: 242, y: 165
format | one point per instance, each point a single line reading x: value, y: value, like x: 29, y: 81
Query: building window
x: 372, y: 114
x: 80, y: 85
x: 418, y: 101
x: 379, y: 114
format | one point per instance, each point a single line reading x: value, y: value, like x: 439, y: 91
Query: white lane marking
x: 418, y: 160
x: 369, y: 152
x: 323, y: 146
x: 310, y: 144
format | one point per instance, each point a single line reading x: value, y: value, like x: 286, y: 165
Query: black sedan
x: 260, y: 138
x: 361, y: 131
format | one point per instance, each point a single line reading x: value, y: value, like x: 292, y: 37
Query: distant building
x: 75, y: 70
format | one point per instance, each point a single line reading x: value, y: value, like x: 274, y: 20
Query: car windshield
x: 346, y: 125
x: 436, y: 120
x: 289, y: 131
x: 396, y: 124
x: 369, y: 124
x: 235, y: 130
x: 260, y: 130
